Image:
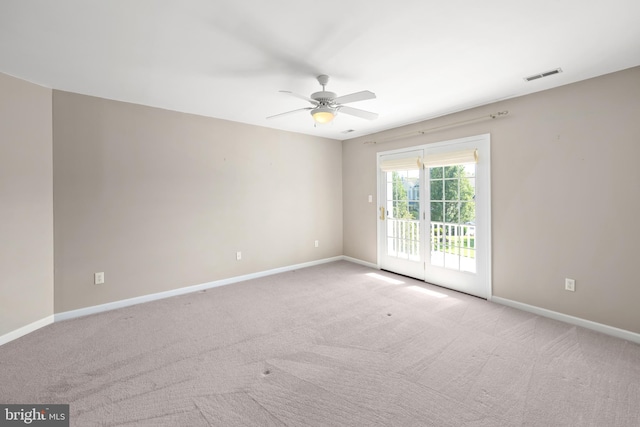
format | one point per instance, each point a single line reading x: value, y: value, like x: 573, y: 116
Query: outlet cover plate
x: 98, y: 278
x: 570, y: 285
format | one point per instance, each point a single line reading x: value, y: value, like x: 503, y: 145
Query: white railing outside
x: 404, y: 238
x: 449, y: 234
x: 452, y: 245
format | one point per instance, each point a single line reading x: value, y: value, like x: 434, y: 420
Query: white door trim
x: 483, y: 209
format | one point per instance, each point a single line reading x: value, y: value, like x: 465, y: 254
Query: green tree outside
x: 452, y: 201
x: 400, y: 199
x: 452, y: 195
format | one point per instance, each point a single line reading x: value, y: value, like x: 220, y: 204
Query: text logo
x: 34, y: 415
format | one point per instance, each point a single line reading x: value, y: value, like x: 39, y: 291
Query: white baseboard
x: 72, y: 314
x: 359, y: 261
x: 595, y: 326
x: 609, y: 330
x: 17, y: 333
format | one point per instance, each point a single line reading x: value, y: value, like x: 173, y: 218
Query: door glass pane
x: 453, y: 239
x: 403, y: 214
x: 467, y: 214
x: 435, y: 173
x: 436, y: 189
x: 437, y: 208
x: 391, y: 247
x: 451, y: 189
x: 451, y: 212
x: 472, y: 186
x: 451, y: 171
x: 451, y: 261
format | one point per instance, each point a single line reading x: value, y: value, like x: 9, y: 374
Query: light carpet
x: 337, y: 344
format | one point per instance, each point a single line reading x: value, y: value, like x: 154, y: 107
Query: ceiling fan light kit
x: 323, y: 115
x: 327, y: 104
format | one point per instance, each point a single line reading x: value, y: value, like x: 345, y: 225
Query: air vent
x: 545, y: 74
x: 348, y: 131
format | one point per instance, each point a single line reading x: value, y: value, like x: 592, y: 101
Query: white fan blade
x: 290, y: 112
x: 306, y: 98
x: 358, y: 112
x: 354, y: 97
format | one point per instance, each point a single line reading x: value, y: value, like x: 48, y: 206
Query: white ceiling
x: 229, y: 58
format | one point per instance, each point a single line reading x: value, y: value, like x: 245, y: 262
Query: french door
x: 400, y: 212
x: 434, y: 214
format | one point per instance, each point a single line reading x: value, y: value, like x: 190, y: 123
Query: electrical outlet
x: 317, y: 243
x: 98, y: 278
x: 370, y: 198
x: 569, y: 285
x: 238, y: 256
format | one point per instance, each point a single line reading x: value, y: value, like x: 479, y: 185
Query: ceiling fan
x: 326, y: 105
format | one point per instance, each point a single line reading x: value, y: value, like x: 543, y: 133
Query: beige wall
x: 565, y: 195
x: 160, y: 200
x: 26, y: 204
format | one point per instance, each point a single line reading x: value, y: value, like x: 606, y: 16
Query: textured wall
x: 160, y: 200
x: 565, y: 195
x: 26, y: 204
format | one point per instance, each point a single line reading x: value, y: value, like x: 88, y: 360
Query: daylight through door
x: 434, y: 214
x: 452, y: 229
x: 403, y: 247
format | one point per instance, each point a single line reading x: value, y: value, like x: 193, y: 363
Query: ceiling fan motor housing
x: 324, y: 97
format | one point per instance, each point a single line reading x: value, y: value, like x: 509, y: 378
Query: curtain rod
x: 424, y: 131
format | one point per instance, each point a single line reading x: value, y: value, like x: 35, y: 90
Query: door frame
x: 483, y: 168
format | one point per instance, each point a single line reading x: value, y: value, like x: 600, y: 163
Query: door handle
x: 382, y: 212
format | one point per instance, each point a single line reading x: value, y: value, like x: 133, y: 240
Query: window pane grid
x: 452, y: 205
x: 403, y: 216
